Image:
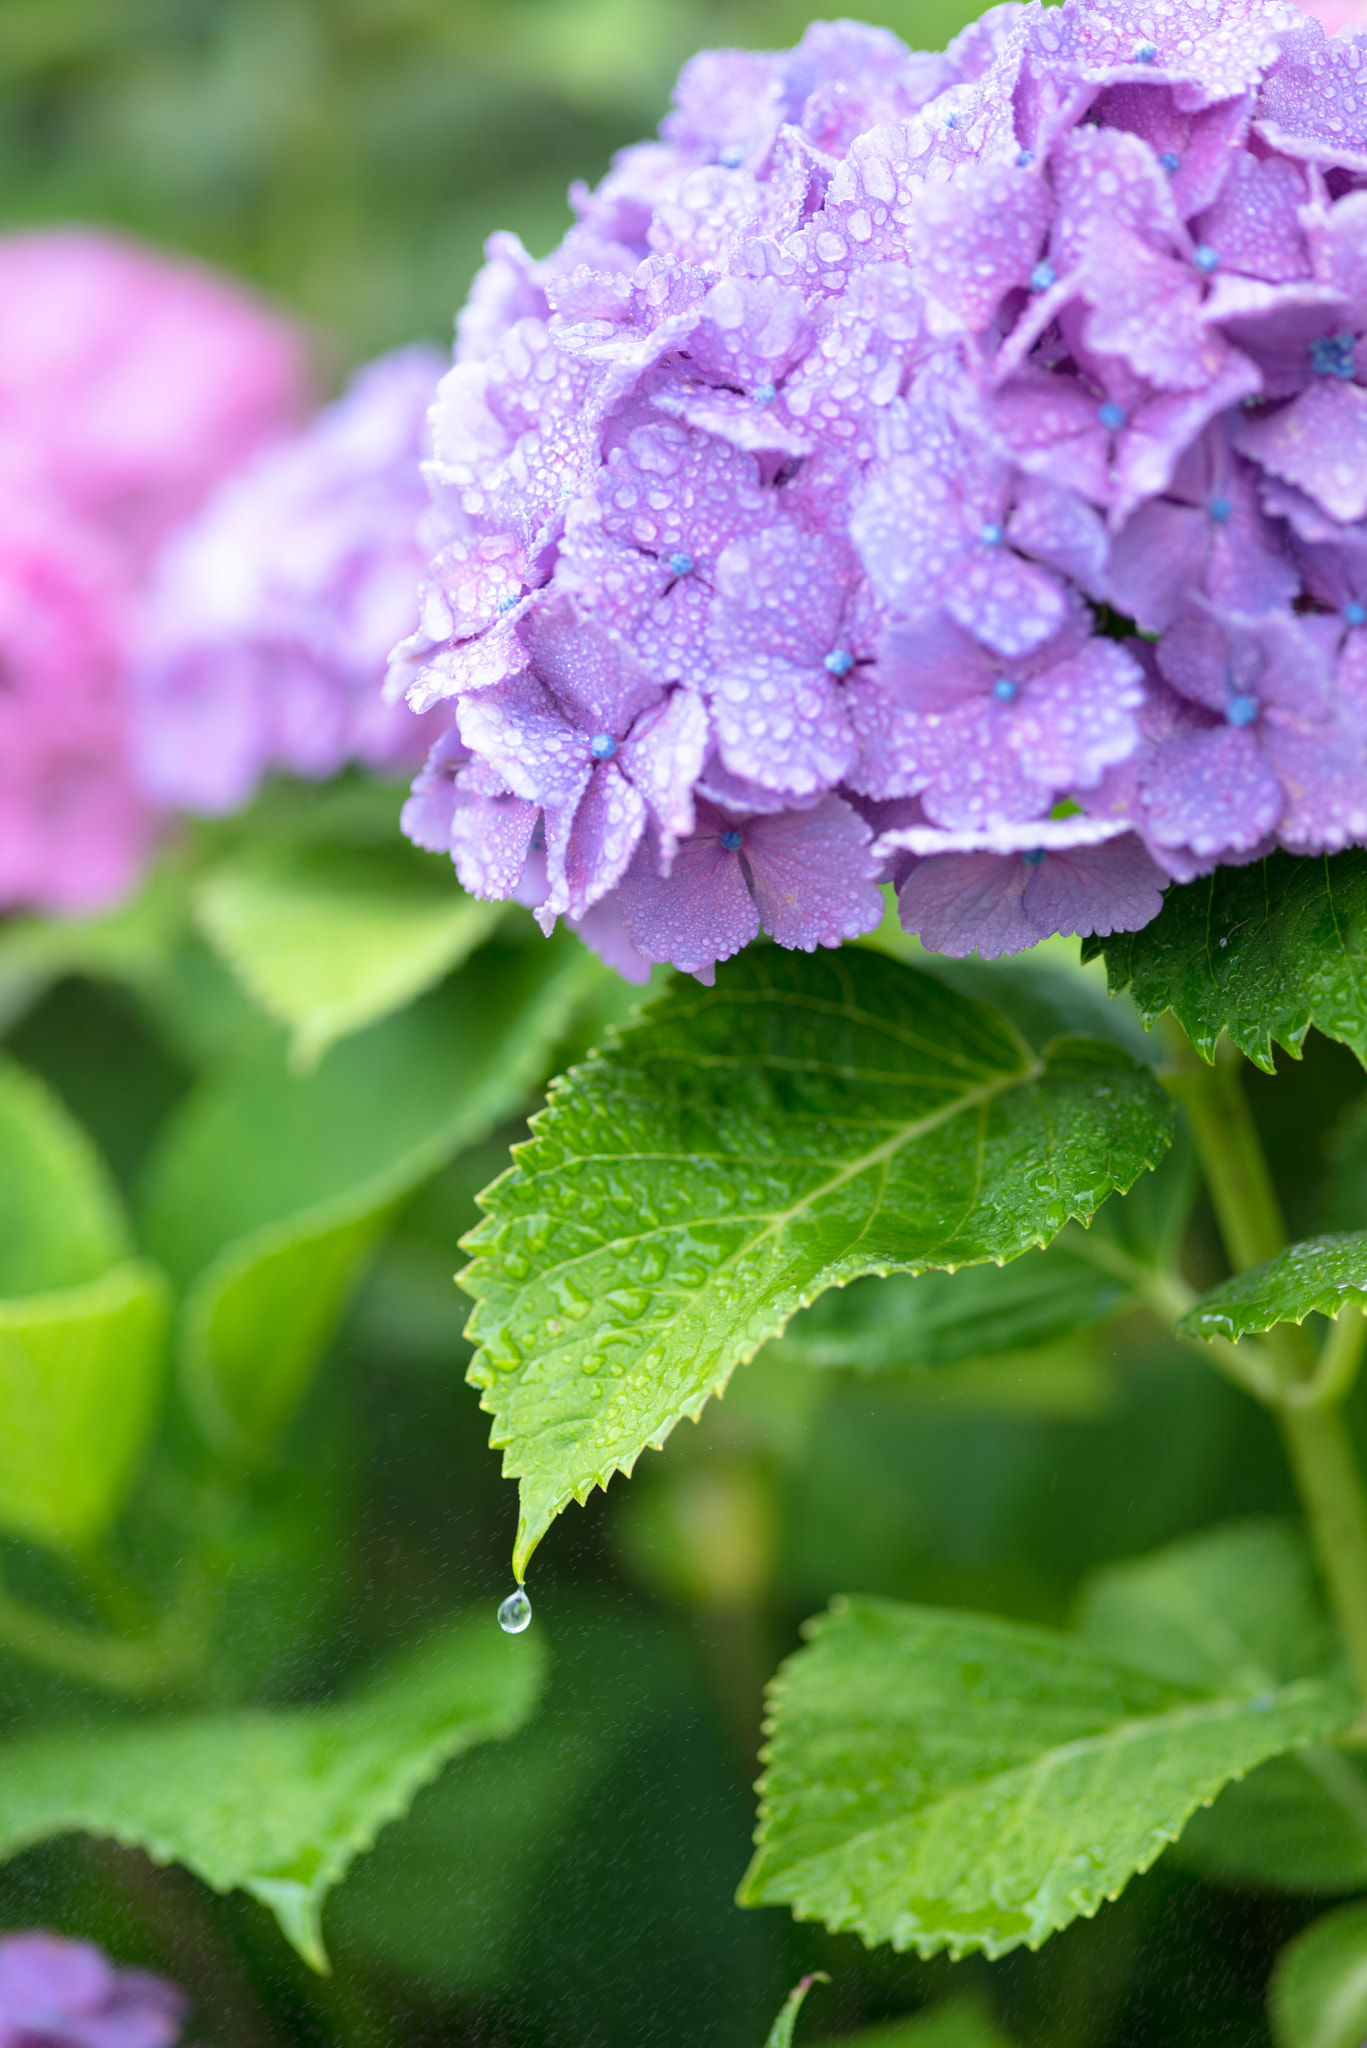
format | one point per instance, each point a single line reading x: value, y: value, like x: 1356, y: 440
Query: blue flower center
x: 765, y: 394
x: 508, y: 603
x: 602, y: 746
x: 1024, y: 159
x: 1170, y: 160
x: 1034, y: 857
x: 990, y: 535
x: 1042, y: 276
x: 1241, y: 710
x: 1220, y: 510
x: 1332, y: 356
x: 1144, y: 53
x: 1005, y: 691
x: 838, y: 662
x: 681, y: 564
x: 729, y: 842
x: 1205, y: 258
x: 732, y: 157
x: 1355, y: 614
x: 1112, y: 416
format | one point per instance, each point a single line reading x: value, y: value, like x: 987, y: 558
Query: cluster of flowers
x: 172, y: 623
x: 66, y: 1994
x: 946, y: 468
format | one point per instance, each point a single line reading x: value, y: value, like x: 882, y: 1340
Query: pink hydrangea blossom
x: 969, y: 446
x: 269, y: 617
x: 67, y: 1994
x: 134, y: 380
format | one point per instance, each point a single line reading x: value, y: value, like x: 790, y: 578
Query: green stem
x: 159, y: 1662
x: 1308, y: 1395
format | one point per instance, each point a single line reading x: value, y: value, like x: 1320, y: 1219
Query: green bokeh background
x: 351, y: 156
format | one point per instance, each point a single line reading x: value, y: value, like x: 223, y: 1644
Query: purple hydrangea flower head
x: 969, y: 445
x: 56, y: 1993
x: 270, y: 617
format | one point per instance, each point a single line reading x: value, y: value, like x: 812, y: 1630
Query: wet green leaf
x: 1321, y: 1276
x: 61, y: 1222
x: 744, y: 1147
x: 1259, y: 952
x: 1318, y: 1994
x: 951, y: 1781
x: 277, y: 1802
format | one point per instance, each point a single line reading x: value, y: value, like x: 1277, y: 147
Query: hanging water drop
x: 515, y: 1613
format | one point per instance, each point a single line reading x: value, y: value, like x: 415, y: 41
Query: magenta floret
x: 948, y: 469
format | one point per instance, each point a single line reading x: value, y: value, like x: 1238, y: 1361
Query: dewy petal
x: 663, y: 756
x: 489, y: 840
x: 960, y: 903
x: 1212, y: 789
x: 974, y: 240
x: 520, y: 730
x: 588, y: 848
x: 1318, y: 443
x: 814, y: 875
x: 1311, y: 105
x: 1096, y: 890
x: 701, y: 912
x: 588, y: 669
x: 603, y: 929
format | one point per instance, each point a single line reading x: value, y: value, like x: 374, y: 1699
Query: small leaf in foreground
x: 328, y: 940
x: 952, y: 1781
x: 1318, y: 1994
x: 1260, y: 953
x: 742, y: 1148
x: 781, y: 2032
x: 80, y: 1377
x: 276, y: 1803
x: 1320, y: 1276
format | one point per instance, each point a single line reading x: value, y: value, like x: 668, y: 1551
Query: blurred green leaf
x: 329, y: 940
x: 80, y: 1377
x: 130, y: 944
x: 1237, y: 1608
x: 1318, y: 1994
x: 269, y: 1189
x: 1322, y: 1275
x: 61, y: 1222
x: 952, y: 1781
x: 276, y: 1802
x: 739, y: 1150
x: 1259, y: 952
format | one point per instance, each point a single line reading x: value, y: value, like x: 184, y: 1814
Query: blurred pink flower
x: 67, y: 1994
x: 1337, y: 14
x: 133, y: 381
x: 73, y: 830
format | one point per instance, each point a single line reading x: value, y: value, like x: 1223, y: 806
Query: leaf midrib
x: 775, y: 1221
x: 1031, y: 1776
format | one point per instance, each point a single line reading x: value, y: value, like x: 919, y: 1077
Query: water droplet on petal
x: 515, y: 1613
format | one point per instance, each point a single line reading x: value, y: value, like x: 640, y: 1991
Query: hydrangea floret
x: 67, y: 1994
x: 945, y: 469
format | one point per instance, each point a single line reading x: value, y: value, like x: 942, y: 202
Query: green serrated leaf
x: 1241, y: 1607
x: 329, y: 940
x: 277, y: 1803
x: 951, y: 1781
x: 1260, y: 953
x: 964, y: 2022
x: 80, y: 1377
x: 1320, y: 1276
x: 781, y: 2032
x: 1318, y: 1994
x: 61, y: 1222
x: 270, y: 1189
x: 738, y: 1151
x: 1237, y: 1608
